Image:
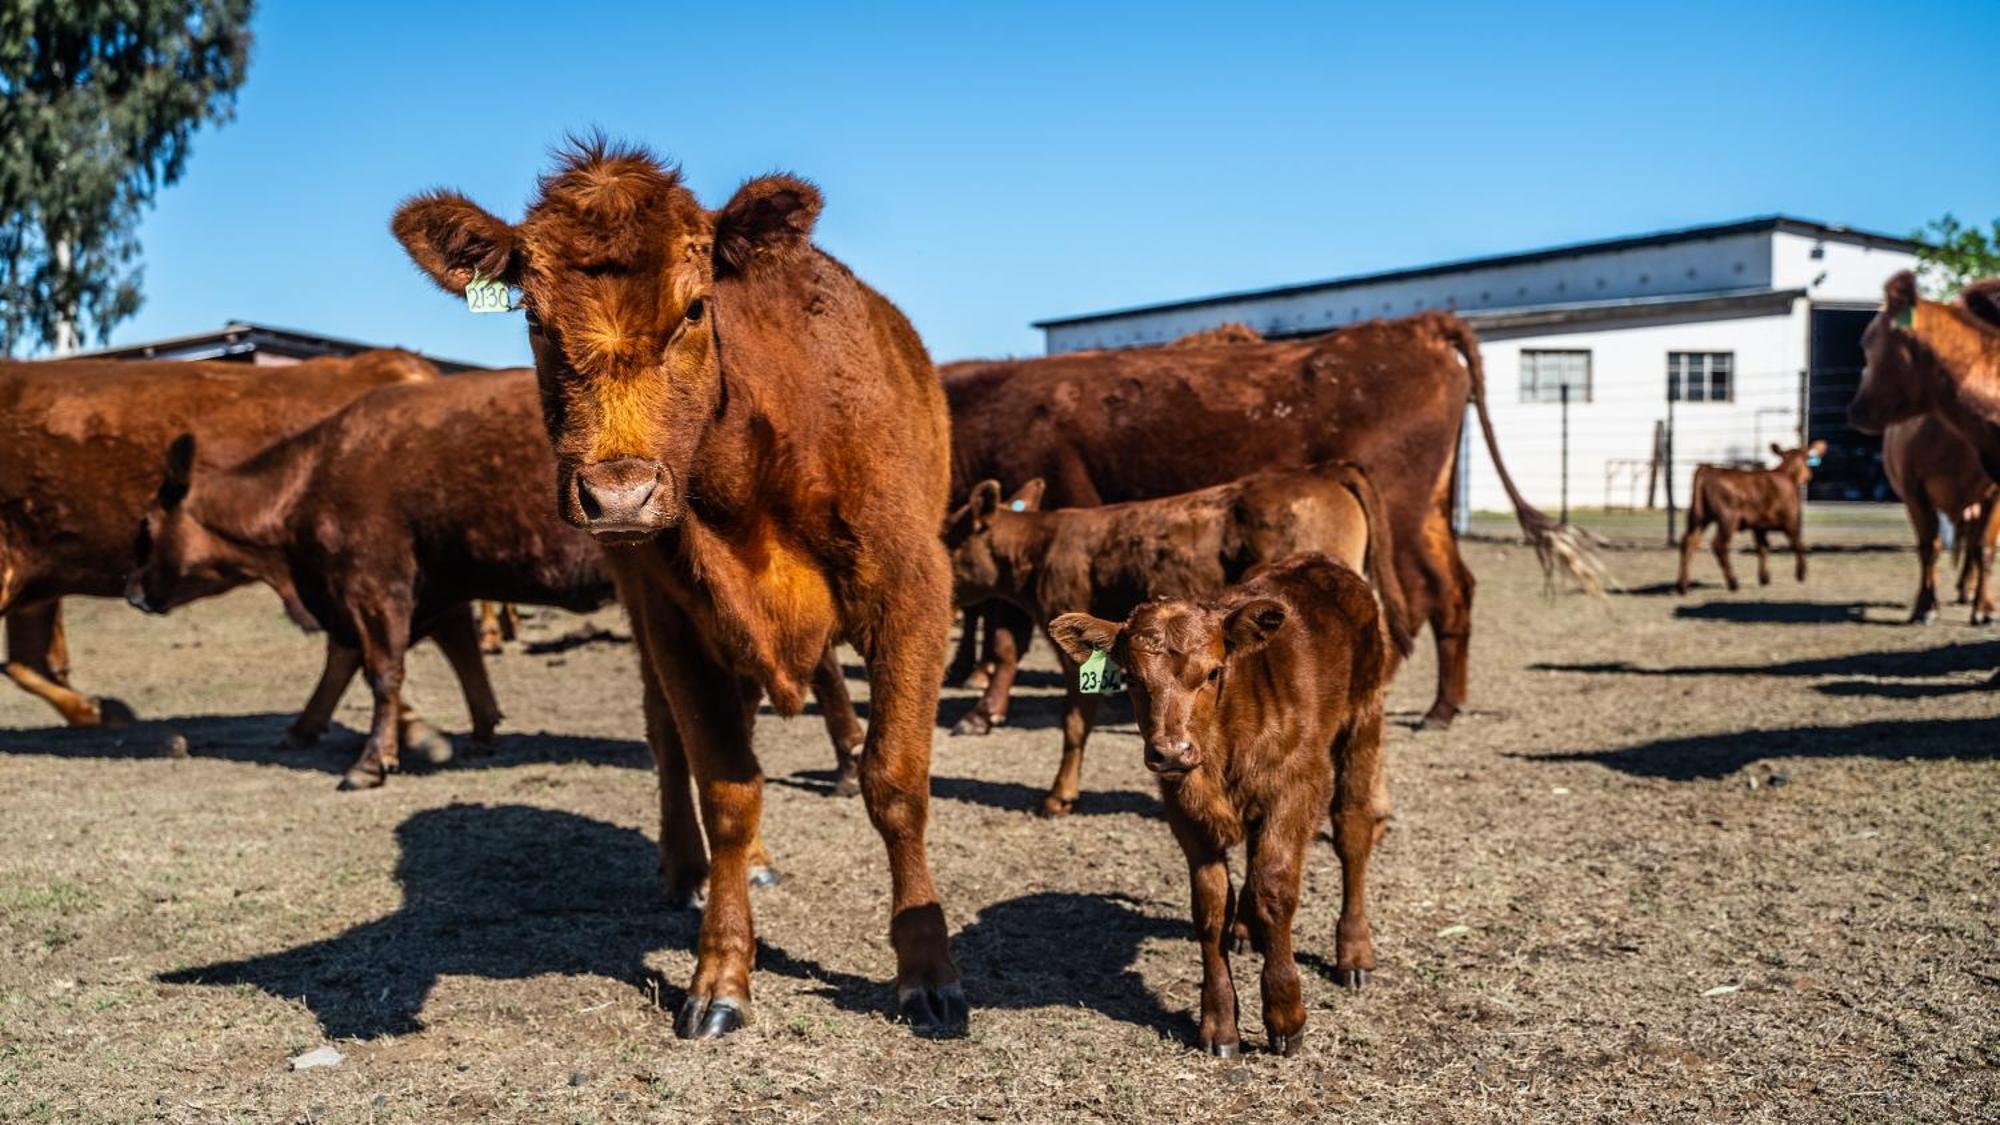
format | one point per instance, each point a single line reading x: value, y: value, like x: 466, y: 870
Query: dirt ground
x: 1723, y: 857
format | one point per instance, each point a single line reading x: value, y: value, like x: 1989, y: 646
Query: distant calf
x: 1261, y: 711
x: 1937, y: 474
x: 384, y: 522
x: 1108, y: 560
x: 1758, y: 500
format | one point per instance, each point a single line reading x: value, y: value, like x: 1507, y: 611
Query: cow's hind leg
x: 1763, y: 540
x: 312, y: 722
x: 843, y: 727
x: 385, y: 638
x: 459, y: 638
x: 1724, y: 531
x: 1452, y: 587
x: 38, y: 663
x: 1360, y: 814
x: 1690, y: 543
x: 1796, y: 535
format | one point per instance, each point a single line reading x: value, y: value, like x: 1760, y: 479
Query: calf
x: 1261, y: 711
x: 1937, y: 473
x: 1762, y: 500
x: 1108, y: 560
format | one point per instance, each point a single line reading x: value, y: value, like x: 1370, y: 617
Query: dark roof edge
x: 250, y: 328
x: 1784, y: 223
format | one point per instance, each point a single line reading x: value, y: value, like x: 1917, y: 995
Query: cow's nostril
x: 587, y: 501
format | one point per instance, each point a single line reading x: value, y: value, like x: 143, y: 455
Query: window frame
x: 1681, y: 368
x: 1535, y: 391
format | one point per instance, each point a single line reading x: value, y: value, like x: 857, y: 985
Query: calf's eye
x: 1215, y: 674
x: 694, y: 311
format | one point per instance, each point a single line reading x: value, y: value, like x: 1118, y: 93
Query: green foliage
x: 1954, y: 255
x: 99, y: 100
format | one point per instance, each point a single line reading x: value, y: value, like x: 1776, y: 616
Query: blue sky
x: 986, y: 166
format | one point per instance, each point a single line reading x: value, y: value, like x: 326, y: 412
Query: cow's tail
x: 1381, y: 566
x: 1556, y: 544
x: 1698, y: 500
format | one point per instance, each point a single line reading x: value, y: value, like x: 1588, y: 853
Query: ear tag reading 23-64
x: 485, y: 295
x: 1099, y: 676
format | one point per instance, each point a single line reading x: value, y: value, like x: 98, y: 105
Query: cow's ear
x: 768, y: 217
x: 179, y: 470
x: 1899, y: 298
x: 985, y: 501
x: 452, y: 239
x: 1250, y: 626
x: 1028, y: 497
x: 1080, y: 634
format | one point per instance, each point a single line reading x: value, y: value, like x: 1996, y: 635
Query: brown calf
x: 760, y: 440
x: 1107, y: 560
x: 80, y: 444
x: 1261, y: 712
x: 1760, y: 500
x: 1937, y: 473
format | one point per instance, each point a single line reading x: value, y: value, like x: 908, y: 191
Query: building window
x: 1545, y: 373
x: 1701, y: 376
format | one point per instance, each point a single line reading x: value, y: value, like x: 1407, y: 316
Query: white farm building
x: 1752, y: 328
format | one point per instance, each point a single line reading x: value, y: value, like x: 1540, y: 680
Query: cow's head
x: 626, y: 282
x: 177, y: 559
x: 1176, y: 657
x: 1799, y: 463
x: 977, y: 567
x: 1896, y: 378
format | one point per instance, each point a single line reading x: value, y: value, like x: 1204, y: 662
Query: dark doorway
x: 1852, y: 469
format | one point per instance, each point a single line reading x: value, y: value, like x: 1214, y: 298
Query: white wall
x: 1629, y: 380
x: 1844, y: 271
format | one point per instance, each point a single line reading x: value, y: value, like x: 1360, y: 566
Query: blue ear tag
x: 1812, y: 462
x: 1019, y: 506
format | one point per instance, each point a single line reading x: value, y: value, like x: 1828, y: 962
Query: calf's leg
x: 1724, y: 531
x: 1360, y: 813
x: 385, y: 637
x: 1690, y: 543
x: 38, y: 663
x: 1763, y: 541
x: 1273, y: 884
x: 1208, y: 886
x: 459, y: 638
x: 1079, y: 716
x: 1007, y: 630
x: 1793, y: 533
x: 843, y: 727
x: 334, y: 676
x: 965, y: 653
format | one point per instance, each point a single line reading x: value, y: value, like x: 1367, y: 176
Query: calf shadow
x: 1707, y: 757
x: 510, y: 892
x: 1751, y: 612
x: 1945, y: 660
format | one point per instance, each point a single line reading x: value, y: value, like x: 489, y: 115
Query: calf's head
x: 627, y: 283
x: 177, y: 559
x: 1897, y: 370
x: 1799, y: 463
x: 1176, y: 657
x: 978, y: 565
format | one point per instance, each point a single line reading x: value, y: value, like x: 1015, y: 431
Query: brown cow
x: 760, y: 441
x: 1761, y: 500
x: 1107, y: 560
x: 1104, y: 427
x: 80, y: 444
x: 1937, y: 473
x: 1929, y: 357
x: 1261, y: 712
x: 384, y: 520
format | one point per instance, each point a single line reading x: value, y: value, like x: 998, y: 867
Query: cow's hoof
x: 1223, y: 1050
x: 1288, y: 1045
x: 701, y: 1018
x: 975, y: 722
x: 1439, y: 718
x: 485, y: 741
x: 296, y: 739
x: 762, y: 876
x: 848, y: 782
x: 935, y: 1013
x: 1053, y: 806
x: 114, y: 713
x: 1350, y: 979
x: 426, y: 744
x: 363, y: 777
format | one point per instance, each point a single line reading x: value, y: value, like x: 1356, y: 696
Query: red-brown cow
x: 1759, y: 500
x: 1937, y: 474
x: 1930, y: 357
x: 1107, y: 560
x: 80, y: 444
x: 1261, y: 712
x: 761, y: 442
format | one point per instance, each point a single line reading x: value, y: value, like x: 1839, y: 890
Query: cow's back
x: 82, y: 444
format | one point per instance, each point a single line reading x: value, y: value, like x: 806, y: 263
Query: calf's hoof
x: 975, y: 722
x: 426, y: 744
x: 703, y: 1018
x: 1054, y: 806
x: 1439, y: 717
x: 1350, y: 979
x: 1288, y: 1045
x: 1228, y: 1050
x: 114, y: 713
x: 363, y: 777
x: 935, y: 1013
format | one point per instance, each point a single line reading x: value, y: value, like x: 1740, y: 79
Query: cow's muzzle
x: 627, y: 500
x: 1172, y: 759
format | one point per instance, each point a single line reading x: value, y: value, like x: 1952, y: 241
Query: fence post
x: 1565, y: 451
x: 1670, y: 459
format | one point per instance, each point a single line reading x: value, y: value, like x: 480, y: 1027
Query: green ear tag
x: 1099, y: 676
x: 485, y: 295
x: 1907, y: 317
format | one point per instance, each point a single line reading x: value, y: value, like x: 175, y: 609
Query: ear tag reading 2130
x: 485, y: 295
x: 1099, y: 676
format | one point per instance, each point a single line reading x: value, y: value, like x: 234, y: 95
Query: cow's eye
x: 694, y: 311
x: 1215, y: 674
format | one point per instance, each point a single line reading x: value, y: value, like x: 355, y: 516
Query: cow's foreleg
x: 385, y: 637
x: 1795, y: 534
x: 843, y: 727
x: 334, y: 676
x: 1924, y: 520
x: 683, y: 852
x: 1273, y: 885
x: 902, y: 655
x: 1079, y: 716
x: 1208, y: 885
x: 459, y: 638
x: 1979, y: 551
x: 1763, y: 540
x: 38, y: 663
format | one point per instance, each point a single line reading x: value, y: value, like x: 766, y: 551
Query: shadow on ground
x: 1945, y: 660
x: 509, y: 892
x: 1749, y: 612
x: 1719, y: 755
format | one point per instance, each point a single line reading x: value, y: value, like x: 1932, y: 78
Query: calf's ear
x: 1252, y: 625
x: 451, y: 238
x: 178, y: 469
x: 1899, y: 297
x: 1028, y: 498
x: 985, y: 501
x: 768, y: 217
x: 1778, y: 451
x: 1080, y: 634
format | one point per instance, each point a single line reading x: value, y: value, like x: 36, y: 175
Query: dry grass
x: 1576, y: 875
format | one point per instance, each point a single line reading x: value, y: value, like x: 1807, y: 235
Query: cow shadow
x: 1750, y: 612
x: 1944, y: 660
x: 1708, y: 757
x: 511, y: 892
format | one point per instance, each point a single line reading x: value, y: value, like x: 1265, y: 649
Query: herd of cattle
x: 748, y: 447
